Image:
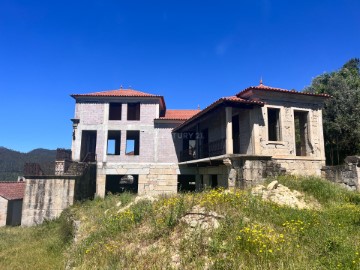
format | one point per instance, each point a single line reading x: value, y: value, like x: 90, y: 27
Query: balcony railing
x: 212, y: 149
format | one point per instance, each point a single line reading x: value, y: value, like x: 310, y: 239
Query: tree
x: 341, y: 114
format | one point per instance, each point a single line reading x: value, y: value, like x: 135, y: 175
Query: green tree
x: 341, y: 114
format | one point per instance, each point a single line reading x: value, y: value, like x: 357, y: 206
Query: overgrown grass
x: 40, y: 247
x: 252, y: 235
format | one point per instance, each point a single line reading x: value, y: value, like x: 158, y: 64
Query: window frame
x: 113, y: 112
x: 278, y: 129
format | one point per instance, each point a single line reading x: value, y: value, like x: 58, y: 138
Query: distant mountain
x: 12, y: 162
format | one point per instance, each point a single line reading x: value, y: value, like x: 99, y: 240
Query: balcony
x: 212, y: 149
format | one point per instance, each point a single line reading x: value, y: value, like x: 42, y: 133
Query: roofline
x: 267, y: 88
x: 213, y: 106
x: 76, y: 96
x: 171, y: 121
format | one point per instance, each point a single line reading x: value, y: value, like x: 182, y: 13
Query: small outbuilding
x: 11, y: 199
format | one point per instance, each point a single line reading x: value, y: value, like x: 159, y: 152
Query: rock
x: 258, y: 190
x: 199, y: 218
x: 282, y: 195
x: 272, y: 185
x: 118, y: 204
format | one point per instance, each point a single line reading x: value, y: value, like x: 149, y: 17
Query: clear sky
x: 192, y: 52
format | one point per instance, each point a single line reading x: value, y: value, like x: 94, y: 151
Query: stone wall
x: 154, y: 178
x: 285, y: 146
x: 301, y: 165
x: 46, y: 199
x: 3, y: 211
x: 47, y: 196
x: 347, y: 175
x: 246, y: 172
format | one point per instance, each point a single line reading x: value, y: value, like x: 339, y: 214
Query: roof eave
x: 242, y: 94
x: 101, y: 97
x: 221, y: 101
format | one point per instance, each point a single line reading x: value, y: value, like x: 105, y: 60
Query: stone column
x: 100, y: 184
x: 229, y: 138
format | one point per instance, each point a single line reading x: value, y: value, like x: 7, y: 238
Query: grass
x: 252, y: 235
x: 33, y: 248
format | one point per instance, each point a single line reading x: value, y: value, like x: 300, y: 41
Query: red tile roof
x: 120, y: 93
x: 117, y: 93
x: 179, y: 114
x: 12, y: 190
x: 231, y: 99
x: 261, y: 86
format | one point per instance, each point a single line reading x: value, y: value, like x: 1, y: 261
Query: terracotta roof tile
x: 232, y: 99
x: 274, y: 89
x: 12, y: 190
x: 178, y: 114
x: 120, y: 93
x: 117, y: 93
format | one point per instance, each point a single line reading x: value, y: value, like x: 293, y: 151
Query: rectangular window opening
x: 113, y: 143
x: 133, y: 112
x: 88, y: 146
x: 186, y: 183
x: 121, y: 183
x: 301, y: 133
x: 115, y: 111
x: 274, y: 124
x: 132, y: 143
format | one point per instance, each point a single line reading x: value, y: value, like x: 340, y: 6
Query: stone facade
x: 347, y: 175
x: 261, y: 131
x: 284, y: 149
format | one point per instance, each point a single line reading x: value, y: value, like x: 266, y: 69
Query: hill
x: 12, y: 162
x: 215, y: 229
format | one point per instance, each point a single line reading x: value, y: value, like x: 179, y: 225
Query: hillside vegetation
x: 244, y: 233
x: 12, y: 162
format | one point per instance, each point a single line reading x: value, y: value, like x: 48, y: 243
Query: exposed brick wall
x: 166, y: 152
x: 90, y: 113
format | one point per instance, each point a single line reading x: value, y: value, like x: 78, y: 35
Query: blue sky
x: 192, y: 52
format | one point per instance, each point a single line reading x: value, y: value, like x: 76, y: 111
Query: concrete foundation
x: 47, y: 196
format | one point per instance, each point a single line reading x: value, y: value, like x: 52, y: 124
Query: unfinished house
x: 128, y: 134
x: 260, y: 131
x: 138, y: 145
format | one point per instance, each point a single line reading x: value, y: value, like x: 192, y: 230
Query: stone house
x: 11, y: 199
x: 141, y: 146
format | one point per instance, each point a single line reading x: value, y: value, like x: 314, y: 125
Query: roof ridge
x: 276, y: 89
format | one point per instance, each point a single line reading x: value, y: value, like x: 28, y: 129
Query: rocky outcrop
x: 282, y: 195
